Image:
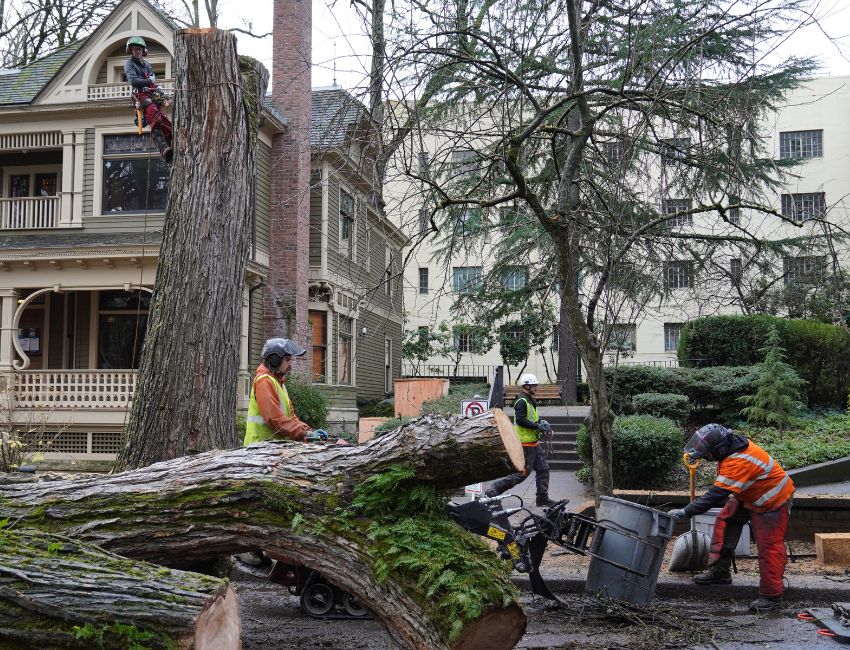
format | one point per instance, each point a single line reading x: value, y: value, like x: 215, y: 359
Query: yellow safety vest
x: 525, y: 434
x: 256, y: 428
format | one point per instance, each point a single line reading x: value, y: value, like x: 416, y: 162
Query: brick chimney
x: 285, y: 307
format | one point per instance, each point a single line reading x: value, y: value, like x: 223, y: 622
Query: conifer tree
x: 778, y: 386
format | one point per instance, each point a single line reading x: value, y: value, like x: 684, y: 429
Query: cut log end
x: 218, y: 626
x: 509, y: 438
x: 497, y: 629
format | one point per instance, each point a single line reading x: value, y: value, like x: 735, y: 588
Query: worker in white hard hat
x: 530, y: 430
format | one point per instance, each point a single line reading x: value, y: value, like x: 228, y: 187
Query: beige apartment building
x: 810, y: 125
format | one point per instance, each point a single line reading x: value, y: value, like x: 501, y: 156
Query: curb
x: 815, y: 590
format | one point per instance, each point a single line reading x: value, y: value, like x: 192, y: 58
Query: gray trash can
x: 652, y: 526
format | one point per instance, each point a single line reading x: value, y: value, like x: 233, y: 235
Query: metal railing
x: 448, y: 370
x: 36, y: 212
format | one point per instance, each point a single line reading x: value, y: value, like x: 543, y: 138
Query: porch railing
x: 97, y: 389
x: 24, y: 213
x: 123, y: 89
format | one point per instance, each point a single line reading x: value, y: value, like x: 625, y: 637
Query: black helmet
x: 713, y: 442
x: 274, y: 350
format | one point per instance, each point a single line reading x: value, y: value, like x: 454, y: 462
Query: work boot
x: 717, y: 574
x: 765, y: 603
x: 167, y: 154
x: 162, y: 144
x: 543, y: 501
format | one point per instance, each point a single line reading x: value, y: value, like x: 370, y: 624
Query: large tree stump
x: 56, y: 592
x: 295, y: 500
x: 185, y: 399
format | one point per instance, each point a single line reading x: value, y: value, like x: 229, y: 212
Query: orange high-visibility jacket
x: 755, y: 479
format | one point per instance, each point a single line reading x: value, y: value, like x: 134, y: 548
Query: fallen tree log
x: 56, y: 592
x: 367, y: 517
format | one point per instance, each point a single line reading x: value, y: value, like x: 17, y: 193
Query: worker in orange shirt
x: 751, y: 486
x: 270, y: 413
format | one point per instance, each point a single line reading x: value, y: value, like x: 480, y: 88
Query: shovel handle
x: 692, y: 469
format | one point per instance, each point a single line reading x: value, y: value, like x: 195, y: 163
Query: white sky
x: 338, y: 39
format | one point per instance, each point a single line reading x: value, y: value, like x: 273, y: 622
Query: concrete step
x: 563, y: 419
x: 565, y: 437
x: 564, y: 465
x: 564, y: 453
x: 565, y: 428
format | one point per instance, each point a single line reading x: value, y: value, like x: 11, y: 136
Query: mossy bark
x: 56, y: 592
x: 295, y: 500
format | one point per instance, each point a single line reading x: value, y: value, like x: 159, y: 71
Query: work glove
x: 545, y: 430
x: 679, y: 514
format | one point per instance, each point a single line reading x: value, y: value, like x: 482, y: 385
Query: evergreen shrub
x: 819, y: 352
x: 645, y: 449
x: 713, y: 392
x: 308, y: 402
x: 662, y: 405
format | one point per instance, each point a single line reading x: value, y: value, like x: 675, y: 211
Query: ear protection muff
x: 273, y: 361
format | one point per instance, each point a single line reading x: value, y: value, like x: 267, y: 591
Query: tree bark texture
x: 56, y: 592
x: 290, y: 499
x: 185, y: 400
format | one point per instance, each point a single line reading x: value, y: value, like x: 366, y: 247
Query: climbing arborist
x: 270, y: 413
x: 148, y: 97
x: 530, y: 429
x: 751, y: 486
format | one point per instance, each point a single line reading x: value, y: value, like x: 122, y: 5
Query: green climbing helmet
x: 137, y: 40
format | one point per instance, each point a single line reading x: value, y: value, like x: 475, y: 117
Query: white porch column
x: 79, y: 160
x: 8, y: 304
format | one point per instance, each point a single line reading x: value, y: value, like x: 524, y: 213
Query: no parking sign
x: 474, y: 406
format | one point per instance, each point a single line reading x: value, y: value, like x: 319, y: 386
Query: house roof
x: 78, y: 240
x: 21, y: 86
x: 335, y: 111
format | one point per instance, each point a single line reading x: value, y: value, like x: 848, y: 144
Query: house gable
x: 100, y: 58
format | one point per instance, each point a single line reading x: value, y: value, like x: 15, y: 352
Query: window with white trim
x: 346, y: 224
x: 135, y: 178
x: 676, y: 207
x: 423, y: 279
x: 466, y: 279
x: 672, y: 332
x: 345, y: 351
x: 803, y: 269
x: 801, y: 144
x: 514, y: 278
x: 736, y: 270
x: 623, y: 338
x: 678, y: 274
x: 804, y: 206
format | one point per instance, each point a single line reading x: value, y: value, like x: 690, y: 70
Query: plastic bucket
x: 652, y: 526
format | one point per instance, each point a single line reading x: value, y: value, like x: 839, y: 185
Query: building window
x: 345, y: 350
x: 319, y: 322
x: 623, y: 338
x: 736, y: 270
x: 672, y: 332
x: 463, y: 341
x: 678, y: 274
x: 674, y: 150
x: 801, y: 144
x: 614, y: 152
x: 423, y: 279
x: 556, y: 338
x: 346, y: 224
x: 514, y: 278
x: 804, y: 269
x: 135, y: 178
x: 677, y: 206
x: 388, y: 272
x: 122, y: 322
x: 734, y: 214
x: 466, y: 279
x: 465, y: 164
x: 805, y: 206
x: 388, y: 366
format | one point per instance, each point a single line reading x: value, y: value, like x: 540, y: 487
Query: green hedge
x: 662, y: 405
x: 450, y: 404
x: 712, y: 392
x: 819, y: 352
x: 308, y: 402
x: 645, y: 449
